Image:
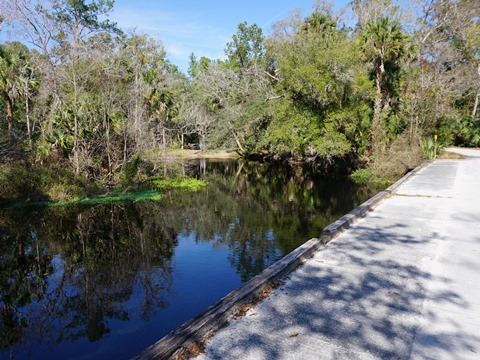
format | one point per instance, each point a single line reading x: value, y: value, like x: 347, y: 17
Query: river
x: 107, y: 281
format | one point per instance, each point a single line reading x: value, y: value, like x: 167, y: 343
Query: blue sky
x: 200, y: 26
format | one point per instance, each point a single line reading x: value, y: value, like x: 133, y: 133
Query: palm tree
x: 320, y: 23
x: 7, y: 81
x: 382, y: 41
x: 12, y: 61
x: 28, y: 84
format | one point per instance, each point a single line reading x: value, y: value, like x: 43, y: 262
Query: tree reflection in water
x: 67, y: 274
x: 65, y: 271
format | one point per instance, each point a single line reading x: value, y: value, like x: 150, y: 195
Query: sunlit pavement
x: 401, y: 283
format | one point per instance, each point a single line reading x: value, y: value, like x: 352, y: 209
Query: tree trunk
x: 27, y: 115
x: 108, y: 146
x: 202, y: 145
x: 9, y: 104
x: 377, y: 110
x: 238, y: 142
x: 135, y: 119
x: 76, y: 130
x: 76, y: 158
x: 125, y: 148
x: 475, y: 106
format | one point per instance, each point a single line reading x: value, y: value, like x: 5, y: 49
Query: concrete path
x: 401, y: 283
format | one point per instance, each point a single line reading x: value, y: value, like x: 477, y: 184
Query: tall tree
x: 146, y: 59
x: 383, y: 43
x: 12, y: 66
x: 319, y: 77
x: 366, y: 11
x: 76, y: 21
x: 246, y: 48
x: 449, y: 77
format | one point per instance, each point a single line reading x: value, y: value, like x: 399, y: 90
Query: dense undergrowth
x: 24, y: 184
x: 22, y: 181
x: 387, y: 166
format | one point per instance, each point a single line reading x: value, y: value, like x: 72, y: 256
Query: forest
x: 375, y: 88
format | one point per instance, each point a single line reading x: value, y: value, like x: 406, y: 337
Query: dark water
x: 107, y: 281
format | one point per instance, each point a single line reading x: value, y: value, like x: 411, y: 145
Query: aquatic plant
x: 179, y: 182
x: 137, y: 196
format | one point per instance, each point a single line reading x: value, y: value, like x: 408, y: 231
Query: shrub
x: 20, y: 181
x: 129, y: 170
x: 469, y: 134
x: 429, y: 148
x: 403, y: 155
x: 361, y: 176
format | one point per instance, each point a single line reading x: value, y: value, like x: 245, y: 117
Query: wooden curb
x: 220, y: 313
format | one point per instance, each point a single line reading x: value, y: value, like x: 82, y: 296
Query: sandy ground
x: 195, y: 154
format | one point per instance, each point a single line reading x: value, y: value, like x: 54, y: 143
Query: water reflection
x: 65, y: 272
x: 109, y: 280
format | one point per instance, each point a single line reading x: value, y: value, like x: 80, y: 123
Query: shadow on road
x: 360, y: 297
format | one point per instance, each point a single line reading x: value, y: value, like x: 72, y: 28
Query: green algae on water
x: 158, y: 184
x: 138, y: 196
x: 180, y: 182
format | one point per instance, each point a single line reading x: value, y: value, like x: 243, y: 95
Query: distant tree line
x: 76, y: 90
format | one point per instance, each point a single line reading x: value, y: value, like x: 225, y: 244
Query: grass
x: 449, y: 155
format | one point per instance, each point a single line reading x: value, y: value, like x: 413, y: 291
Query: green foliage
x: 297, y: 130
x: 385, y: 45
x: 383, y: 40
x: 361, y: 176
x: 15, y: 78
x: 62, y: 185
x: 18, y: 181
x: 21, y: 181
x: 429, y: 148
x: 74, y: 13
x: 318, y: 67
x: 325, y: 109
x: 246, y: 47
x: 130, y: 170
x: 179, y: 182
x: 469, y: 132
x: 355, y: 123
x: 367, y: 176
